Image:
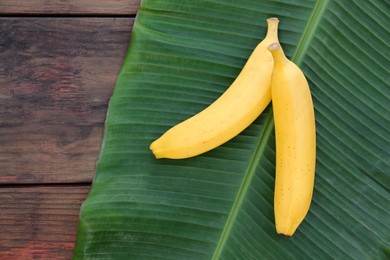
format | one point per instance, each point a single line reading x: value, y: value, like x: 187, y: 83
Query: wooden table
x: 58, y: 63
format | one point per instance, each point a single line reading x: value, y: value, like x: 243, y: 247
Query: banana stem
x: 277, y: 52
x: 272, y: 30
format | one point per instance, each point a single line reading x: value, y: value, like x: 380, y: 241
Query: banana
x: 231, y: 113
x: 295, y: 136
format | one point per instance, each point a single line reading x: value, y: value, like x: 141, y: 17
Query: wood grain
x: 56, y: 78
x: 69, y: 7
x: 39, y: 222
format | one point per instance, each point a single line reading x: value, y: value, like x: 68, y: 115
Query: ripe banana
x: 295, y: 137
x: 231, y: 113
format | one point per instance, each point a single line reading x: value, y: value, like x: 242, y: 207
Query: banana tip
x: 285, y: 234
x: 152, y: 147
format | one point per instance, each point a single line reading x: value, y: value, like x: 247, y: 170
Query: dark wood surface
x: 58, y: 63
x: 39, y: 222
x: 56, y: 79
x: 69, y: 7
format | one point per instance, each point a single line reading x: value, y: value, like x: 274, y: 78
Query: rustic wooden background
x: 58, y: 63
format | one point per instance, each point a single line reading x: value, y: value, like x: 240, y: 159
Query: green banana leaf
x: 183, y: 55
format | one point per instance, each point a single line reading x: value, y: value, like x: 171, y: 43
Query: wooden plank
x: 39, y: 222
x: 56, y: 78
x: 69, y: 7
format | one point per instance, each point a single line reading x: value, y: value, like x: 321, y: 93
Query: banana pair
x: 267, y: 74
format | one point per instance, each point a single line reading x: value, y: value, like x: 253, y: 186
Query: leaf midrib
x: 309, y: 31
x: 297, y: 58
x: 255, y: 160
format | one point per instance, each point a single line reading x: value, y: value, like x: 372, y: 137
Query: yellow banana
x: 295, y: 137
x: 230, y: 114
